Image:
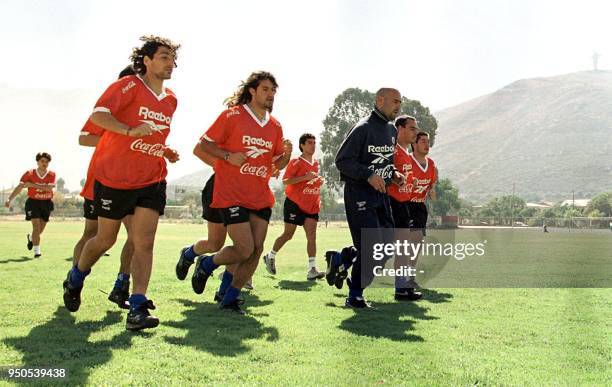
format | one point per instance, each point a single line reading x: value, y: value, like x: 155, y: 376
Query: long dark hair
x: 242, y: 95
x: 149, y: 48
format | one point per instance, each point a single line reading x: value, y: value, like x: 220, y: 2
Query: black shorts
x: 409, y: 214
x: 293, y: 213
x: 117, y: 203
x: 237, y: 214
x: 38, y: 209
x: 89, y: 210
x: 212, y: 215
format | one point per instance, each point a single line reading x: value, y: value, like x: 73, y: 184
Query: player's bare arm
x: 90, y: 140
x: 282, y: 161
x: 108, y: 122
x: 298, y: 179
x: 14, y: 194
x: 206, y: 158
x: 237, y: 158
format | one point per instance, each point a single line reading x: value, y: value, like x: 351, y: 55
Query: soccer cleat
x: 314, y: 274
x: 121, y: 295
x: 407, y: 294
x: 332, y: 268
x: 233, y: 306
x: 30, y: 244
x: 357, y: 303
x: 183, y: 264
x: 340, y: 277
x: 199, y: 277
x: 37, y: 255
x: 249, y: 284
x: 140, y: 318
x: 270, y: 264
x: 72, y: 295
x: 219, y: 297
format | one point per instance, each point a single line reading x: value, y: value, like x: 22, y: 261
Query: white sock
x: 36, y: 249
x: 272, y: 254
x: 312, y: 262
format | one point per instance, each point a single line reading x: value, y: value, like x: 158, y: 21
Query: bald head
x: 388, y: 101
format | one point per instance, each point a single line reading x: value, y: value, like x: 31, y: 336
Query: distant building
x: 578, y: 203
x: 539, y: 205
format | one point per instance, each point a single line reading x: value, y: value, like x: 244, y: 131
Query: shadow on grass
x: 220, y: 332
x: 300, y: 286
x: 394, y: 320
x: 23, y: 258
x: 64, y: 343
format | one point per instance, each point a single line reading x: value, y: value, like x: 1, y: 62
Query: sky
x: 439, y: 52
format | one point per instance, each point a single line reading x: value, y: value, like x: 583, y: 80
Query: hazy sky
x: 439, y: 52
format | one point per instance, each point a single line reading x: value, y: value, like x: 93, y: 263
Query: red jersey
x: 92, y: 129
x: 423, y: 178
x: 237, y: 129
x: 125, y: 162
x: 306, y: 194
x: 402, y: 161
x: 32, y: 176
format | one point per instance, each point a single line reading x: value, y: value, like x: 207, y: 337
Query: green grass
x: 297, y: 332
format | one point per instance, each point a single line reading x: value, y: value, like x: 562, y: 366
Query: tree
x: 448, y: 198
x: 601, y: 203
x: 507, y: 207
x: 350, y: 106
x: 61, y: 186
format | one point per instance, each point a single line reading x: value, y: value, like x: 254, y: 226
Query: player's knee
x: 215, y: 245
x: 257, y: 251
x: 105, y: 242
x: 244, y: 249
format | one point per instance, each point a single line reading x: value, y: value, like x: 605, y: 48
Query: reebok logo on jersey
x: 150, y: 115
x: 254, y: 152
x: 234, y: 112
x: 248, y: 140
x: 383, y: 153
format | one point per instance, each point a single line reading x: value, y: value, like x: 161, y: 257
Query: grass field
x: 298, y: 332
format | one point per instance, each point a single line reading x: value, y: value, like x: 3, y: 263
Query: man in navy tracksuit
x: 365, y: 162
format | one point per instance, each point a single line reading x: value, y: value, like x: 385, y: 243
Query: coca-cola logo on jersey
x: 152, y: 115
x: 259, y: 171
x: 156, y: 150
x: 312, y: 191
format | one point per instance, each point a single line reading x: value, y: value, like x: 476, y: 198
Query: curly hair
x: 149, y: 48
x: 242, y: 95
x: 43, y: 155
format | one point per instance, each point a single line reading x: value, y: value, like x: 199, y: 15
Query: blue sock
x: 336, y: 258
x: 77, y: 277
x: 121, y: 277
x: 190, y: 254
x: 230, y: 295
x: 401, y: 282
x: 209, y: 265
x: 136, y: 300
x: 226, y: 281
x: 354, y: 293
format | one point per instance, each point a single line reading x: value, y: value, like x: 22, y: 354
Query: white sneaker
x: 314, y: 274
x: 270, y: 264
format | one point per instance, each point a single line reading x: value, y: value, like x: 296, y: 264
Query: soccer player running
x: 130, y: 171
x: 89, y: 137
x: 407, y: 130
x: 248, y: 142
x: 422, y: 185
x: 40, y: 182
x: 365, y: 162
x: 302, y: 204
